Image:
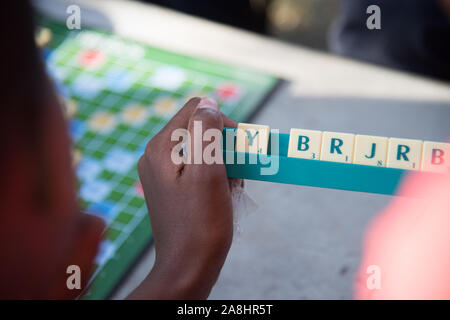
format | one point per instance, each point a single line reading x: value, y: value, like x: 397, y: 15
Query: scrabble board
x: 118, y: 94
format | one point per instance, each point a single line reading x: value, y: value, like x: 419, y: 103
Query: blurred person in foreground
x: 42, y: 229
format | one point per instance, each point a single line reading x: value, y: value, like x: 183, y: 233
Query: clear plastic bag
x: 243, y: 205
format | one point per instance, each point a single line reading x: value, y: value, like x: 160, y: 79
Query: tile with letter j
x: 404, y: 153
x: 370, y: 150
x: 337, y: 147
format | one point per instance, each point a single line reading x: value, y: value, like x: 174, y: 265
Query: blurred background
x: 303, y: 22
x: 411, y: 37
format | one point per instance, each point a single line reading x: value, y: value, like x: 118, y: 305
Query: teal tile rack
x: 315, y: 173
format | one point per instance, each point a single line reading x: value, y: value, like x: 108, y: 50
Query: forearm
x: 190, y: 278
x: 161, y: 285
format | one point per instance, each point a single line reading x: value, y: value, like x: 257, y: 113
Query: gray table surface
x: 301, y: 242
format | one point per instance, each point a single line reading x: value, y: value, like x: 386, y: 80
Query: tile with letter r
x: 337, y: 147
x: 404, y: 153
x: 436, y: 156
x: 252, y: 138
x: 370, y: 150
x: 305, y: 144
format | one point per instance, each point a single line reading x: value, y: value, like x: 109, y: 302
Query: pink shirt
x: 407, y: 247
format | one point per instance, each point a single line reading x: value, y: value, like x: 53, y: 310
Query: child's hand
x: 190, y: 210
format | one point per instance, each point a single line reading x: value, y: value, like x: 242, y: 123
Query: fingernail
x: 207, y: 103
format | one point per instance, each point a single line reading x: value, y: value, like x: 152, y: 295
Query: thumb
x: 207, y: 111
x: 205, y: 129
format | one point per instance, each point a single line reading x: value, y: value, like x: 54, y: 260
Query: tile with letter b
x: 436, y: 156
x: 337, y: 147
x: 404, y: 154
x: 304, y: 144
x: 252, y: 138
x: 370, y: 150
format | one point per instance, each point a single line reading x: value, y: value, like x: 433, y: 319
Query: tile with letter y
x: 436, y: 156
x: 404, y: 153
x: 304, y: 144
x: 370, y: 150
x: 252, y: 138
x: 337, y: 147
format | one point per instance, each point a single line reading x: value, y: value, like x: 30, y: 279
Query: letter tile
x: 370, y: 150
x: 252, y: 138
x: 404, y: 153
x: 436, y: 156
x: 337, y: 147
x: 304, y: 144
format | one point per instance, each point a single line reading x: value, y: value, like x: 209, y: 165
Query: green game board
x: 125, y: 92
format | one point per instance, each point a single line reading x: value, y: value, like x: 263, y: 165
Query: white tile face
x: 404, y: 154
x: 370, y: 150
x: 337, y: 147
x: 304, y: 144
x: 252, y: 138
x: 436, y: 157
